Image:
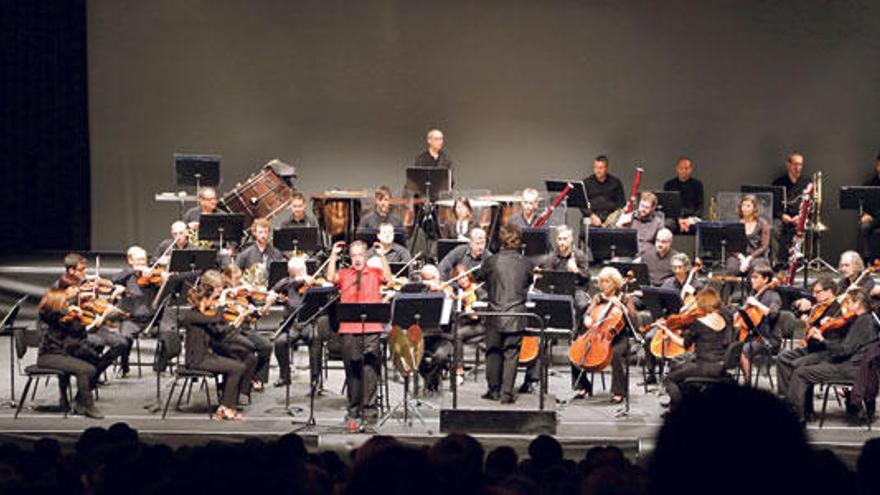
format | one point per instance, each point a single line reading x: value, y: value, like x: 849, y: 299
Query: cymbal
x: 407, y: 348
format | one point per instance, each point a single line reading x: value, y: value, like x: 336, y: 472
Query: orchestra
x: 225, y: 311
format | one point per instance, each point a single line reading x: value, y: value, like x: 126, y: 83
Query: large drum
x: 264, y: 194
x: 338, y: 212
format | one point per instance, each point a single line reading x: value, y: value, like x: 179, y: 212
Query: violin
x: 151, y: 276
x: 88, y: 312
x: 832, y: 324
x: 754, y: 315
x: 97, y: 285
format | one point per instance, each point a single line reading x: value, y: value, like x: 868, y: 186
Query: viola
x: 833, y: 324
x: 754, y: 315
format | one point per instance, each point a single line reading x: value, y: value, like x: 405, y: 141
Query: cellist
x: 611, y: 284
x: 765, y: 339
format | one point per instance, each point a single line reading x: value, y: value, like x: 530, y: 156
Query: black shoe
x: 491, y: 395
x: 281, y: 382
x: 580, y: 395
x: 650, y: 380
x: 526, y: 387
x: 89, y: 411
x: 507, y: 399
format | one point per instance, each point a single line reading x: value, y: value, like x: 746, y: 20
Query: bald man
x: 434, y: 155
x: 658, y: 257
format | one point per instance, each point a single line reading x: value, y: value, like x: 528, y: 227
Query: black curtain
x: 44, y: 140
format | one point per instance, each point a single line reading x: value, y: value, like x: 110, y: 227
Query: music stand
x: 221, y: 227
x: 192, y: 260
x: 535, y: 241
x: 446, y: 245
x: 669, y: 202
x: 791, y: 293
x: 862, y: 198
x: 640, y: 271
x: 778, y: 193
x: 294, y: 239
x: 370, y: 236
x: 428, y: 182
x: 556, y: 311
x: 397, y: 266
x: 197, y: 170
x: 424, y: 309
x: 7, y: 325
x: 557, y: 282
x: 577, y: 197
x: 613, y: 243
x: 363, y: 313
x: 720, y: 238
x: 661, y: 302
x: 277, y: 270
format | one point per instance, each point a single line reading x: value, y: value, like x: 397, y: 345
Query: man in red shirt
x: 361, y: 354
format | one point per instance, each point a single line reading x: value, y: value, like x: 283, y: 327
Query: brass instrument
x: 194, y: 240
x: 817, y: 225
x: 256, y: 275
x: 612, y: 218
x: 713, y: 209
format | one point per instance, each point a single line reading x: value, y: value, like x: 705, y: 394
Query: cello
x: 592, y: 349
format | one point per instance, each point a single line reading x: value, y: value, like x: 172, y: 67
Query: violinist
x: 469, y: 255
x: 394, y: 252
x: 293, y: 286
x: 508, y: 276
x: 75, y: 266
x: 710, y: 335
x: 467, y: 293
x: 381, y: 213
x: 179, y: 238
x: 206, y: 327
x: 207, y: 206
x: 840, y: 359
x: 852, y: 268
x: 815, y: 315
x: 611, y: 284
x: 438, y: 348
x: 463, y: 222
x: 765, y: 339
x: 247, y: 339
x: 361, y: 344
x: 261, y: 251
x: 64, y: 347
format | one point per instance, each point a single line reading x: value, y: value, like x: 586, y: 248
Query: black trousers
x: 679, y: 372
x: 438, y: 355
x: 619, y: 356
x: 233, y: 372
x: 502, y: 358
x: 262, y: 347
x: 314, y: 336
x: 240, y: 348
x: 865, y: 231
x: 800, y: 390
x: 361, y: 356
x: 466, y: 333
x: 789, y: 360
x: 84, y: 372
x: 115, y: 343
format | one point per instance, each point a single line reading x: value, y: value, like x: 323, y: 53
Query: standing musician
x: 247, y: 340
x: 463, y: 223
x: 394, y: 252
x: 508, y: 276
x: 841, y: 359
x: 605, y: 191
x: 710, y: 335
x: 64, y: 347
x: 261, y: 251
x: 658, y: 257
x: 813, y: 317
x: 691, y: 192
x: 381, y: 213
x: 206, y: 327
x: 794, y: 182
x: 434, y: 156
x: 611, y: 284
x: 438, y: 348
x: 528, y: 209
x: 765, y: 339
x: 469, y: 255
x: 870, y: 220
x: 361, y: 353
x: 647, y: 220
x: 299, y: 216
x: 207, y: 205
x: 180, y: 240
x: 293, y: 286
x: 757, y: 237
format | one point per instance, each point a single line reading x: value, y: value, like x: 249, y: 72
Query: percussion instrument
x: 264, y: 194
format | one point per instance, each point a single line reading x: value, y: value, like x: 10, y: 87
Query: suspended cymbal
x: 407, y: 348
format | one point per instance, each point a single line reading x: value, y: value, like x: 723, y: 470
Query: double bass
x: 592, y: 349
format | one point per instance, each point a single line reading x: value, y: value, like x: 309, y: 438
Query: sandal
x: 228, y: 414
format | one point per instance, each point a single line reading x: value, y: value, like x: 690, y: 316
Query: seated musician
x: 247, y: 339
x: 851, y: 268
x: 394, y: 252
x: 757, y: 237
x: 299, y: 216
x: 566, y: 257
x: 361, y: 349
x: 469, y: 255
x: 180, y: 240
x: 508, y: 276
x: 658, y: 257
x: 794, y: 181
x: 75, y: 266
x: 605, y: 192
x: 528, y: 209
x: 646, y: 220
x: 840, y: 359
x: 710, y: 335
x: 814, y: 316
x: 467, y: 293
x: 765, y: 339
x: 438, y: 348
x: 610, y: 291
x: 261, y: 251
x: 64, y: 347
x: 463, y: 223
x: 207, y: 205
x: 293, y: 286
x: 691, y: 192
x: 869, y: 222
x: 205, y: 328
x: 434, y: 156
x: 381, y: 213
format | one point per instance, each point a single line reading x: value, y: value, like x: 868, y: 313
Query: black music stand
x: 446, y: 245
x: 778, y: 192
x: 303, y: 239
x: 557, y: 282
x: 639, y: 270
x: 661, y: 303
x: 363, y: 313
x: 428, y: 182
x: 221, y: 227
x: 398, y: 266
x: 192, y: 260
x: 577, y: 197
x: 556, y: 311
x: 197, y: 170
x: 862, y: 198
x: 424, y: 309
x: 669, y: 202
x: 370, y: 236
x: 277, y: 270
x: 791, y: 293
x: 720, y: 238
x: 7, y: 325
x: 613, y: 243
x: 535, y: 241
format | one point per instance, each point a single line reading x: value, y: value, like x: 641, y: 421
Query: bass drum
x: 264, y: 194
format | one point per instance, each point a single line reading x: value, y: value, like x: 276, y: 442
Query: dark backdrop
x: 524, y: 89
x: 44, y: 144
